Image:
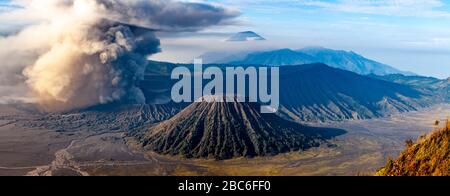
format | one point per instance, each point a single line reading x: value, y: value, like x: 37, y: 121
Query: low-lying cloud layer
x: 79, y: 53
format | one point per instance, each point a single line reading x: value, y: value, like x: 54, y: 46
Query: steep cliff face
x: 226, y: 130
x: 430, y: 156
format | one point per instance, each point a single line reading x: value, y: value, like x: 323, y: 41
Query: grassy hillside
x: 430, y: 156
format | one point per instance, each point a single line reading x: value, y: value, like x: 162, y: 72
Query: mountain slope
x: 316, y: 92
x: 227, y: 130
x: 276, y: 58
x: 426, y: 84
x: 222, y: 57
x: 349, y: 61
x: 428, y: 157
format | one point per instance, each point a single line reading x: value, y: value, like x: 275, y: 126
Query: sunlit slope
x: 430, y: 156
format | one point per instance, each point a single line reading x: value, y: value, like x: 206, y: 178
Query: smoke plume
x: 79, y: 53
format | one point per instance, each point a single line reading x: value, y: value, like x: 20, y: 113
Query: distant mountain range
x: 245, y: 36
x: 224, y: 130
x: 345, y: 60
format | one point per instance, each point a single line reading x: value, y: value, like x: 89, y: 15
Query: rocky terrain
x: 86, y: 150
x: 224, y: 130
x: 99, y: 118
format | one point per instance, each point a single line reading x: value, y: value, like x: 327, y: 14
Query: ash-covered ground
x: 95, y: 143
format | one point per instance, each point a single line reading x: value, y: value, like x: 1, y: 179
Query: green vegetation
x: 430, y: 156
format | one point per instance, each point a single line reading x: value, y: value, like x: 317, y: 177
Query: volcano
x: 245, y: 36
x: 224, y: 130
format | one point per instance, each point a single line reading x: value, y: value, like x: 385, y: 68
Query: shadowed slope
x: 317, y: 92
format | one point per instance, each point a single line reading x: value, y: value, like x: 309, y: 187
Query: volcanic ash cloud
x: 95, y: 51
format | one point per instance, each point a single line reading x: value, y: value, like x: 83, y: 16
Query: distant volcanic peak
x: 224, y: 130
x: 245, y: 36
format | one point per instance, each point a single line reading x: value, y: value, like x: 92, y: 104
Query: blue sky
x: 412, y: 35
